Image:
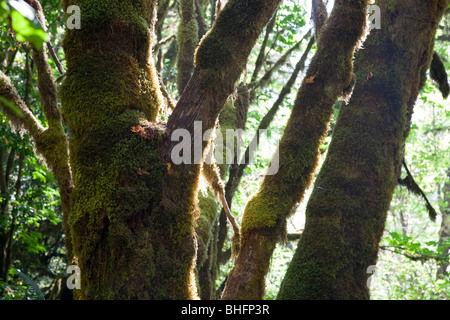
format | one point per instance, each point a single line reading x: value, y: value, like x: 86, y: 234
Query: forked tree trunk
x: 346, y: 213
x: 133, y: 212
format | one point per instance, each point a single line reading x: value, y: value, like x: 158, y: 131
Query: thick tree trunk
x: 346, y: 213
x: 110, y: 87
x: 133, y: 211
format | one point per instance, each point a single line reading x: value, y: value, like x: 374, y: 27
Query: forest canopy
x: 235, y: 150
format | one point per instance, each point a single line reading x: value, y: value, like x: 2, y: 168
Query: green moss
x: 208, y: 214
x: 223, y: 52
x: 187, y: 39
x: 111, y: 194
x: 109, y: 64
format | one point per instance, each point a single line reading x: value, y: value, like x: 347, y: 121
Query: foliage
x: 23, y: 21
x: 37, y: 239
x: 37, y: 248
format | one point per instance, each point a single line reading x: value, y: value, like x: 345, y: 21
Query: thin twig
x: 229, y: 215
x: 55, y: 57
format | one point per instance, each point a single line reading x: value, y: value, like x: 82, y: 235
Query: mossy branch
x: 438, y: 74
x: 212, y: 175
x: 219, y: 60
x: 164, y: 41
x: 202, y: 25
x: 50, y: 142
x: 25, y: 120
x: 187, y: 39
x: 319, y: 15
x: 276, y: 66
x: 329, y: 72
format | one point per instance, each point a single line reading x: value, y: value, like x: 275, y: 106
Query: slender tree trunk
x: 187, y: 38
x: 265, y: 215
x: 346, y: 213
x: 444, y: 232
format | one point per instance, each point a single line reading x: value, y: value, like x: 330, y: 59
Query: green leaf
x: 24, y: 8
x: 40, y: 176
x: 4, y: 11
x: 26, y: 25
x: 11, y: 105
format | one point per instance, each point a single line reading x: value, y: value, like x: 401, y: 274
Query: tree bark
x: 187, y: 38
x: 444, y: 231
x: 346, y: 213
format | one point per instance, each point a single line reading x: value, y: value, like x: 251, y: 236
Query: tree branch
x: 202, y: 26
x: 236, y: 175
x: 220, y: 59
x: 319, y: 15
x: 260, y: 59
x: 417, y: 257
x: 163, y: 42
x: 187, y: 39
x: 26, y: 120
x: 412, y: 186
x: 46, y: 82
x: 280, y: 62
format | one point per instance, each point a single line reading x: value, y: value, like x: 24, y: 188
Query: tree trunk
x: 133, y: 211
x: 110, y: 87
x: 346, y: 213
x: 264, y: 219
x: 187, y: 38
x: 444, y: 231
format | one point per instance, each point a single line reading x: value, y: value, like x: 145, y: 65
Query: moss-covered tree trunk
x: 187, y: 38
x: 346, y: 213
x: 264, y: 219
x: 444, y: 231
x: 133, y: 211
x: 110, y: 87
